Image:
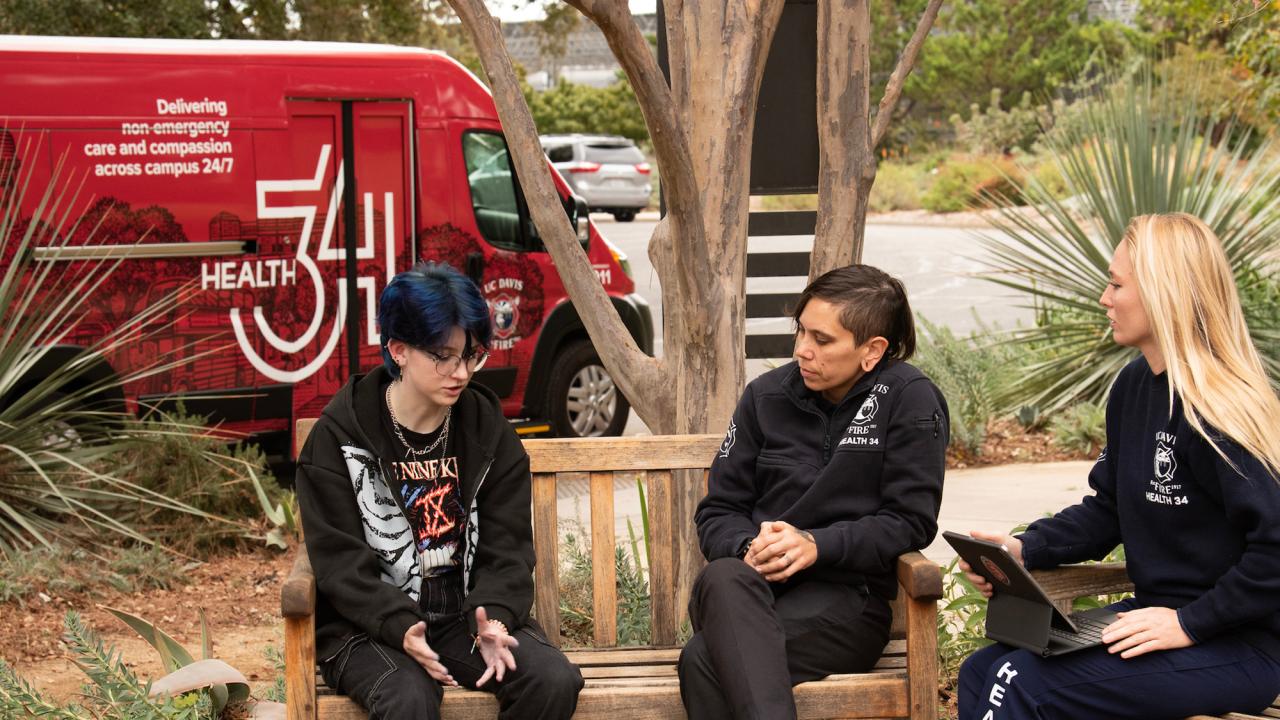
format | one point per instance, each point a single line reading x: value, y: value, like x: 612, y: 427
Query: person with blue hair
x: 415, y: 499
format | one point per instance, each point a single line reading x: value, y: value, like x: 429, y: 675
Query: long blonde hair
x: 1190, y: 295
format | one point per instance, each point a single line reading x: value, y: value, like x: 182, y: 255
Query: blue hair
x: 421, y: 307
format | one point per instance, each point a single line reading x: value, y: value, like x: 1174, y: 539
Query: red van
x: 291, y: 181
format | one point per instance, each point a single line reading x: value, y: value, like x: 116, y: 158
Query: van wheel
x: 624, y: 215
x: 582, y: 398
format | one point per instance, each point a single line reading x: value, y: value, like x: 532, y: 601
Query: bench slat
x: 604, y: 588
x: 589, y: 657
x: 662, y: 580
x: 840, y: 696
x: 625, y: 656
x: 630, y: 453
x: 545, y: 545
x: 642, y: 672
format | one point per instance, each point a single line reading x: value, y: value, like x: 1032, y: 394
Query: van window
x: 493, y: 189
x: 614, y: 153
x: 560, y: 153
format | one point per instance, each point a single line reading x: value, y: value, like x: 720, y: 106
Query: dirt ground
x: 1007, y: 442
x: 240, y: 596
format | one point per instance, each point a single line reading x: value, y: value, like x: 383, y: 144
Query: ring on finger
x: 785, y: 560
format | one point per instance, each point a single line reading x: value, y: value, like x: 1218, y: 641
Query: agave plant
x: 205, y: 689
x: 1140, y: 146
x: 61, y: 418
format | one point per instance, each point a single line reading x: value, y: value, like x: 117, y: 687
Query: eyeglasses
x: 447, y: 365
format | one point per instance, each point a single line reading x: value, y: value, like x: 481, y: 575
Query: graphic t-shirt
x: 429, y: 489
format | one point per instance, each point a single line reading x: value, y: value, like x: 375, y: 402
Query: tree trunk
x: 847, y: 164
x: 717, y: 53
x: 846, y: 137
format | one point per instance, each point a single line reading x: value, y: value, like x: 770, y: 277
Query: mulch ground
x: 1007, y: 442
x: 239, y: 595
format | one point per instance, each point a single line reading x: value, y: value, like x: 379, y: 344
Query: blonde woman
x: 1190, y: 483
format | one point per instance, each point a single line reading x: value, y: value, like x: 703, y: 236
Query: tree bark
x: 641, y: 378
x: 846, y: 158
x: 906, y: 62
x: 717, y: 53
x: 846, y: 136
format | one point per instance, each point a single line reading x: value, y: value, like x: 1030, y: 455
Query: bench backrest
x: 663, y: 464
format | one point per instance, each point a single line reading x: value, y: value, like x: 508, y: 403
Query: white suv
x: 608, y: 171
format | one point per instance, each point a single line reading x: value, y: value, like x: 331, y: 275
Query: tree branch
x: 638, y: 375
x: 907, y: 61
x: 670, y: 142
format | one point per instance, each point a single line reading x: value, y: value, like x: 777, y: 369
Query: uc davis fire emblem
x: 1166, y: 464
x: 867, y: 411
x: 729, y: 439
x: 505, y: 311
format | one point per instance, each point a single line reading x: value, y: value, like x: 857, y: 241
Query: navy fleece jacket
x: 864, y: 476
x: 1200, y: 536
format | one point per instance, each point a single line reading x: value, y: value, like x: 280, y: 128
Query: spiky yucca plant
x: 56, y: 435
x: 1141, y: 146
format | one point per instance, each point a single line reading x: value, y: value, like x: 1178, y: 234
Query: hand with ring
x: 781, y: 550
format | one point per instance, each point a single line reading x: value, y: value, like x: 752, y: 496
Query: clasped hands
x: 780, y: 551
x: 1136, y: 632
x: 492, y: 640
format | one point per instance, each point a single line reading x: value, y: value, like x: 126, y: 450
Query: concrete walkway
x: 991, y: 498
x: 1002, y: 497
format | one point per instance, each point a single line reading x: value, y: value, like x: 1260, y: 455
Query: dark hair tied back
x: 872, y: 303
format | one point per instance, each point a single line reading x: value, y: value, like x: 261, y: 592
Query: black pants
x: 393, y: 686
x: 753, y: 640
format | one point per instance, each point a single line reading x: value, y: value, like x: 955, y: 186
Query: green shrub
x: 577, y: 620
x: 1260, y: 296
x: 277, y: 691
x: 1081, y: 428
x: 185, y: 460
x: 968, y: 372
x: 204, y: 689
x: 994, y: 130
x: 789, y: 202
x: 898, y: 187
x: 961, y: 181
x: 962, y: 626
x: 1048, y: 175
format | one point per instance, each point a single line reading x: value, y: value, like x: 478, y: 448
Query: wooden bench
x: 637, y: 683
x: 1063, y: 585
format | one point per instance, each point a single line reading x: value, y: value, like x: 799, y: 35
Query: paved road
x: 938, y: 265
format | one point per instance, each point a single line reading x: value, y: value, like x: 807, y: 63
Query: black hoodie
x: 865, y: 477
x: 359, y: 541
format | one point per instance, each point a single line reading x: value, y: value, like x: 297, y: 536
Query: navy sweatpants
x: 1215, y: 677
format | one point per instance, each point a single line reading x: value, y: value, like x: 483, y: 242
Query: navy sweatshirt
x: 864, y: 476
x: 1199, y: 536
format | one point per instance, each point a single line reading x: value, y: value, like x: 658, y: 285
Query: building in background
x: 587, y: 60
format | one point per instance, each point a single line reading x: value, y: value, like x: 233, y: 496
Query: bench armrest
x: 919, y: 576
x: 298, y: 594
x: 298, y: 607
x: 1072, y: 581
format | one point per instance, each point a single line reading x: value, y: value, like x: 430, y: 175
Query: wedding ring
x: 786, y: 560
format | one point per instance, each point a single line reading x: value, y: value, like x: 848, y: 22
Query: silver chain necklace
x: 411, y: 451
